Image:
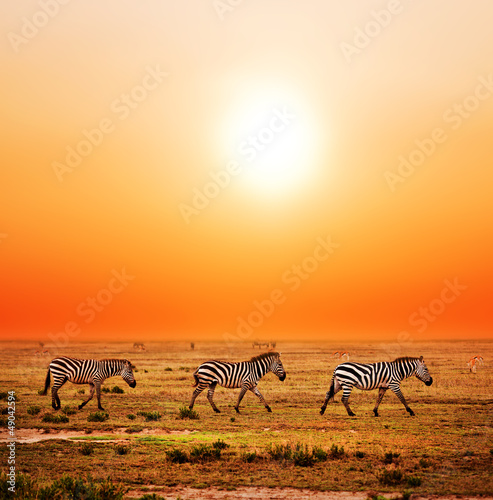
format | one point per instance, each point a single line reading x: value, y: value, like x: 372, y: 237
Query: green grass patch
x: 185, y: 412
x: 55, y: 419
x: 99, y: 416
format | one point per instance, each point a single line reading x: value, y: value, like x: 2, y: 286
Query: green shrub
x: 319, y: 454
x: 81, y: 391
x: 249, y: 457
x: 168, y: 369
x: 87, y: 448
x: 33, y: 410
x: 131, y: 416
x: 122, y: 449
x: 117, y: 390
x: 359, y: 454
x: 105, y: 390
x: 302, y: 456
x: 220, y: 445
x: 150, y: 415
x: 390, y: 477
x: 134, y: 428
x: 233, y: 419
x: 390, y: 457
x: 187, y: 413
x: 336, y: 451
x: 413, y: 481
x: 204, y: 452
x: 55, y: 419
x: 68, y: 410
x: 177, y: 456
x: 280, y: 451
x: 99, y: 416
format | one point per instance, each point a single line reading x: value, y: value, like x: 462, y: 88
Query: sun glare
x: 272, y: 135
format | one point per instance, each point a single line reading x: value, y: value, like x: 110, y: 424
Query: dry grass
x: 447, y: 448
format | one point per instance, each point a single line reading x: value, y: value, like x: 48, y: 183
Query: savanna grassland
x: 145, y: 442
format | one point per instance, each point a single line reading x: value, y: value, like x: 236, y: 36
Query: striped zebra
x: 384, y: 375
x: 245, y: 374
x: 86, y: 371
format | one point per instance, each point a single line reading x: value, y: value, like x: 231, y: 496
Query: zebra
x: 86, y: 371
x: 245, y: 374
x: 383, y: 375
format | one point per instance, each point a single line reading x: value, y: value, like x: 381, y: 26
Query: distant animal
x: 192, y: 346
x: 86, y: 371
x: 37, y: 353
x: 139, y: 346
x: 341, y: 354
x: 474, y: 362
x: 260, y: 344
x: 383, y: 375
x: 245, y: 374
x: 45, y: 352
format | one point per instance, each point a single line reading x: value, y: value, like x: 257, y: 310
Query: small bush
x: 150, y: 415
x: 177, y: 456
x: 233, y: 419
x: 68, y: 410
x: 468, y: 453
x: 86, y: 449
x: 122, y: 449
x: 204, y: 452
x: 336, y: 451
x: 55, y: 419
x: 319, y: 454
x: 134, y: 428
x: 249, y: 457
x: 359, y: 454
x: 390, y: 457
x: 187, y: 413
x: 131, y: 416
x: 105, y: 390
x: 390, y: 477
x: 302, y: 456
x: 117, y: 390
x: 220, y: 445
x: 81, y: 391
x: 168, y: 369
x: 413, y: 481
x: 280, y: 451
x: 99, y: 416
x: 33, y: 410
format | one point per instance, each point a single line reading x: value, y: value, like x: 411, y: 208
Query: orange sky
x: 118, y: 116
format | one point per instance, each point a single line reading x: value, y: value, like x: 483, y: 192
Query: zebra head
x: 276, y: 366
x: 128, y: 374
x: 422, y: 372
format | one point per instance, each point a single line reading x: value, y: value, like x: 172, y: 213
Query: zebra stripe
x: 245, y: 374
x: 383, y: 375
x: 86, y: 371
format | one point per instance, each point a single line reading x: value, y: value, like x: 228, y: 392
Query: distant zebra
x: 384, y: 375
x: 245, y: 374
x: 475, y: 360
x: 86, y: 371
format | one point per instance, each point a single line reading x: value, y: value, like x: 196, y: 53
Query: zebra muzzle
x: 133, y: 384
x: 429, y: 382
x: 282, y: 377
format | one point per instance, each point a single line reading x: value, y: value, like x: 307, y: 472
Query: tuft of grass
x: 204, y: 453
x: 150, y: 416
x: 87, y: 448
x: 69, y: 410
x: 391, y: 477
x: 302, y: 456
x: 122, y: 449
x: 131, y: 416
x: 390, y: 457
x: 220, y: 445
x: 117, y: 390
x: 81, y: 391
x: 33, y: 410
x: 168, y: 369
x: 249, y: 457
x: 187, y: 413
x: 99, y: 416
x: 177, y: 456
x: 413, y: 481
x: 233, y: 419
x: 337, y: 451
x: 105, y: 390
x: 319, y: 454
x: 55, y: 419
x: 359, y: 454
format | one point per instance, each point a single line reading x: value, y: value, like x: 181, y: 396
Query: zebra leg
x: 381, y: 394
x: 210, y: 395
x: 262, y: 400
x: 240, y: 397
x: 91, y: 394
x: 97, y: 383
x: 335, y: 387
x: 346, y: 392
x: 195, y: 393
x: 398, y: 393
x: 55, y: 400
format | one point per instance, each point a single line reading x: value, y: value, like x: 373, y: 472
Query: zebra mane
x: 404, y: 358
x: 264, y: 355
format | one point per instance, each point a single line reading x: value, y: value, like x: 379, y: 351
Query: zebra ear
x: 421, y: 358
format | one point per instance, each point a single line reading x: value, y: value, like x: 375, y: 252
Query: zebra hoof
x: 322, y: 410
x: 376, y: 413
x: 351, y: 414
x: 217, y: 411
x: 80, y: 407
x: 268, y: 409
x: 237, y: 410
x: 100, y: 408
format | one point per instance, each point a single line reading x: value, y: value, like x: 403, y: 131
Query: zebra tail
x: 47, y: 383
x: 196, y: 379
x: 331, y: 390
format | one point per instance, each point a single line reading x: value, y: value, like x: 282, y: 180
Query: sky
x: 246, y: 170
